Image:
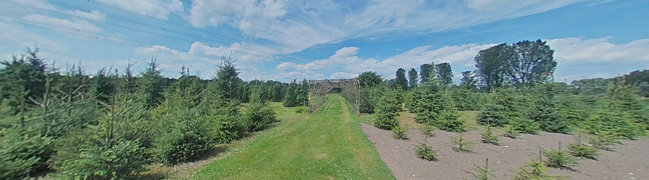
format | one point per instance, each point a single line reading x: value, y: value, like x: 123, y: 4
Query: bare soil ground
x: 630, y: 160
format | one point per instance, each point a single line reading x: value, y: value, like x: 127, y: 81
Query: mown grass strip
x: 328, y: 145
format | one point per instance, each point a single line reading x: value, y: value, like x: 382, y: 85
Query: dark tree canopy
x: 533, y: 63
x: 400, y: 79
x: 426, y: 72
x: 492, y: 65
x: 369, y: 79
x: 227, y: 79
x: 412, y: 78
x: 444, y: 73
x: 468, y: 80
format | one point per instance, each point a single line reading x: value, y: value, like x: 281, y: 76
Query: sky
x: 303, y: 39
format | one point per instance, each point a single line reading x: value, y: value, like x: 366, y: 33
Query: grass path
x: 327, y: 145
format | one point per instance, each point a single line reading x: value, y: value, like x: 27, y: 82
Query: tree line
x: 512, y: 87
x: 112, y: 124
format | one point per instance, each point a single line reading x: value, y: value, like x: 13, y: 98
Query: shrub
x: 462, y: 145
x: 428, y: 130
x: 399, y: 132
x: 533, y: 170
x: 22, y: 154
x: 559, y: 159
x: 489, y: 137
x: 101, y: 160
x: 301, y: 109
x: 603, y: 140
x: 581, y: 150
x: 483, y: 173
x: 179, y: 147
x: 511, y: 132
x: 387, y: 111
x: 258, y: 116
x: 426, y: 152
x: 525, y: 125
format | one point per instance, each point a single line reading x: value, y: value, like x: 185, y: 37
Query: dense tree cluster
x: 111, y: 125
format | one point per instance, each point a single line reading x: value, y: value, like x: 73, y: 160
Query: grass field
x: 328, y: 144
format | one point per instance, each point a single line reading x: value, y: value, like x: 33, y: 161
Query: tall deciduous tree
x: 444, y: 73
x: 468, y: 80
x: 426, y: 72
x: 369, y: 79
x: 533, y: 62
x: 400, y: 79
x: 412, y: 78
x: 492, y: 65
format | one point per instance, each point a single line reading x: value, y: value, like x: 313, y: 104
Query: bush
x: 301, y: 109
x: 462, y: 144
x: 489, y: 137
x: 581, y: 150
x: 428, y: 130
x: 483, y: 172
x: 426, y: 152
x: 526, y: 126
x: 559, y: 159
x: 511, y: 132
x: 22, y: 154
x: 179, y: 147
x: 258, y: 116
x: 387, y: 112
x: 533, y: 170
x: 101, y: 160
x: 399, y: 132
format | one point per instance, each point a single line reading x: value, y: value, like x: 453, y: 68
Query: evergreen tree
x: 227, y: 80
x: 444, y: 73
x: 412, y: 78
x: 546, y: 113
x: 400, y: 80
x: 426, y: 72
x: 387, y: 111
x: 151, y: 85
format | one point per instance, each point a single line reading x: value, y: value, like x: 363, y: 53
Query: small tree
x: 511, y: 132
x: 559, y: 159
x: 462, y: 145
x: 428, y: 130
x: 426, y: 152
x: 483, y: 173
x: 399, y: 132
x: 489, y: 137
x: 387, y: 112
x: 533, y: 170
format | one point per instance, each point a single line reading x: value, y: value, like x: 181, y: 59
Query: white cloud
x: 346, y: 64
x: 155, y: 8
x: 92, y: 15
x: 298, y: 25
x: 204, y: 59
x: 62, y: 25
x: 571, y: 54
x: 578, y: 50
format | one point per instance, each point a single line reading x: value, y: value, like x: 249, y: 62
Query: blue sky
x: 286, y: 39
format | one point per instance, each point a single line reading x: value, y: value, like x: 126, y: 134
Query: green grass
x: 324, y: 145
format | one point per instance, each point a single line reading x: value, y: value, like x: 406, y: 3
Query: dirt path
x: 628, y: 161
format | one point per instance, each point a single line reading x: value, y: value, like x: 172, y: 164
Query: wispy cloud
x: 155, y: 8
x: 62, y: 25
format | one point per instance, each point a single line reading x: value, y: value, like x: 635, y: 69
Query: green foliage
x: 525, y: 125
x: 462, y: 145
x: 227, y: 81
x: 511, y: 132
x: 22, y: 153
x: 428, y: 130
x: 582, y: 150
x: 483, y: 173
x: 401, y: 80
x: 301, y: 109
x: 435, y: 107
x: 533, y: 170
x: 489, y: 137
x: 387, y: 111
x: 297, y: 95
x: 546, y: 113
x: 104, y: 160
x: 259, y: 116
x: 426, y: 152
x: 399, y: 132
x: 559, y: 158
x: 369, y: 79
x: 412, y: 78
x: 22, y: 78
x: 427, y: 72
x: 444, y: 73
x: 151, y: 85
